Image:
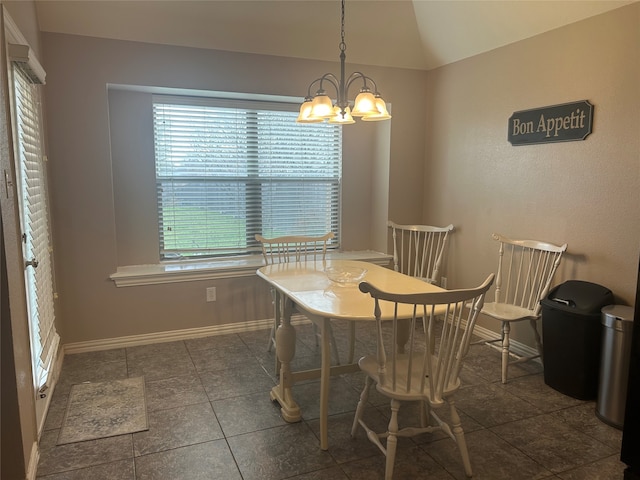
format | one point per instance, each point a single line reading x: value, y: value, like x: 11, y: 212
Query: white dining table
x: 304, y: 287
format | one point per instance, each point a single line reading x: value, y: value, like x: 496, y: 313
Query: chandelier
x: 368, y: 104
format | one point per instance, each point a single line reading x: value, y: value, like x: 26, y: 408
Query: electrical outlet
x: 211, y: 294
x: 443, y: 281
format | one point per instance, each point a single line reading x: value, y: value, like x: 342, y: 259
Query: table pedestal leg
x: 285, y: 350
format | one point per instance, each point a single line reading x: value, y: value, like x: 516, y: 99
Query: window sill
x: 134, y: 275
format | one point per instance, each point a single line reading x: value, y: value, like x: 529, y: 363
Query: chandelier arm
x: 310, y: 86
x: 333, y: 80
x: 358, y: 75
x: 329, y: 77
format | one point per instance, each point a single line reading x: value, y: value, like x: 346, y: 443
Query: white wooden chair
x: 418, y: 250
x: 525, y: 272
x: 416, y: 370
x: 295, y: 248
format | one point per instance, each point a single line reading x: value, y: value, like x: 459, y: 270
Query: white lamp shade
x: 305, y: 114
x: 365, y: 104
x: 382, y: 113
x: 339, y: 118
x: 321, y: 107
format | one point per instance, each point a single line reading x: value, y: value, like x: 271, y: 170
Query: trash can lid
x: 578, y: 296
x: 619, y: 317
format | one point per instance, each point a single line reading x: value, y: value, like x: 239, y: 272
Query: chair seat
x: 507, y: 312
x: 369, y: 365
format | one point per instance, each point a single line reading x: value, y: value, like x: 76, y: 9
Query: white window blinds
x: 228, y: 170
x: 35, y: 224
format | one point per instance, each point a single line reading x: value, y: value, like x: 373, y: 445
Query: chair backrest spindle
x: 422, y: 367
x: 419, y: 250
x: 525, y: 271
x: 290, y: 248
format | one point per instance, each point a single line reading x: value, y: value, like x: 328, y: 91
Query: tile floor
x: 210, y: 417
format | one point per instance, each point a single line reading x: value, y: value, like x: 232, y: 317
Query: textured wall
x: 584, y: 193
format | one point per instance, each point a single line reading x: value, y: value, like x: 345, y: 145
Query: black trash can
x: 572, y: 337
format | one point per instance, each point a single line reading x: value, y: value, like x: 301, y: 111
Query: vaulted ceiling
x: 417, y: 34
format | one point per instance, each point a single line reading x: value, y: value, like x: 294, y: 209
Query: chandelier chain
x: 343, y: 45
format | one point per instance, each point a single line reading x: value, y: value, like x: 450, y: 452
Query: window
x: 227, y: 170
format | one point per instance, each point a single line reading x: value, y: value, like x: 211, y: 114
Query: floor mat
x: 104, y: 409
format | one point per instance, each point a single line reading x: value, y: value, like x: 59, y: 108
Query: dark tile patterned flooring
x: 210, y: 417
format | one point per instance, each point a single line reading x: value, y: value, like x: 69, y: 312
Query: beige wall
x: 100, y: 191
x: 584, y: 193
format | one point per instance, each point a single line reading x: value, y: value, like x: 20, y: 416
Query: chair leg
x: 274, y: 329
x: 424, y: 414
x: 458, y: 433
x: 272, y: 343
x: 272, y: 335
x: 364, y: 397
x: 506, y: 328
x: 392, y: 440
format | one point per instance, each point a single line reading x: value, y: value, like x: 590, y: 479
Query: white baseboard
x: 174, y: 335
x: 185, y: 334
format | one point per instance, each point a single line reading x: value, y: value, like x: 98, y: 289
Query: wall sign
x: 558, y: 123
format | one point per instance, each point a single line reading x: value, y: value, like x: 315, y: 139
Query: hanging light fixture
x: 368, y: 104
